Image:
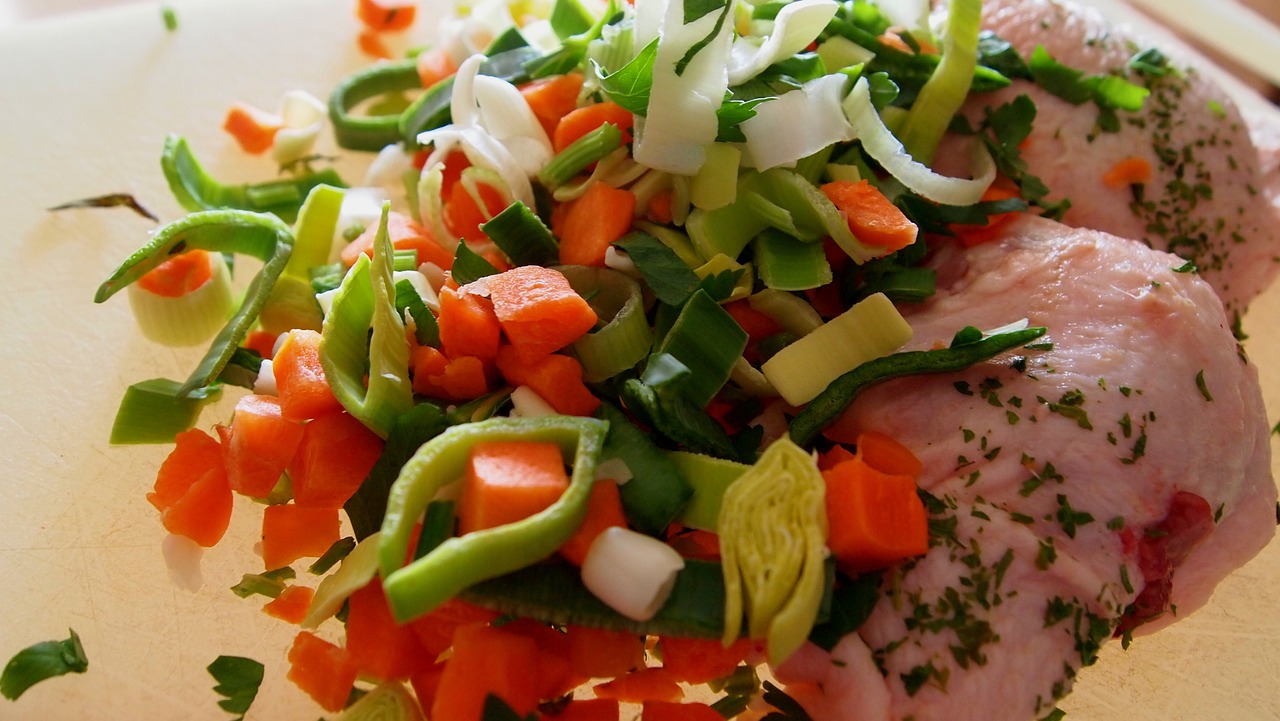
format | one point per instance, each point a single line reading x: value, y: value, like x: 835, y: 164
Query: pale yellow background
x: 85, y: 103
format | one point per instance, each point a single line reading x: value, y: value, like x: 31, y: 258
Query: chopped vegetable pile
x: 553, y: 394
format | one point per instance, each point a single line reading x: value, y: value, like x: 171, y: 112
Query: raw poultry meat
x: 1098, y: 484
x: 1204, y: 200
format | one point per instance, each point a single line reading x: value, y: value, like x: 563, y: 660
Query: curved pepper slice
x: 461, y: 561
x: 261, y: 235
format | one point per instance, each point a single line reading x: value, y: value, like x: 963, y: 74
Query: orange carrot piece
x: 300, y: 381
x: 379, y: 646
x: 876, y: 519
x: 885, y: 454
x: 485, y: 661
x: 538, y: 310
x: 178, y: 275
x: 253, y: 129
x: 604, y: 510
x: 554, y: 675
x: 405, y: 234
x: 191, y: 490
x: 699, y: 660
x: 428, y: 366
x: 435, y: 630
x: 334, y: 456
x: 871, y: 216
x: 556, y: 378
x: 291, y: 605
x: 1131, y: 170
x: 468, y: 325
x: 580, y: 121
x: 552, y: 98
x: 434, y: 65
x: 669, y: 711
x: 261, y: 341
x: 507, y: 481
x: 290, y: 532
x: 604, y: 653
x: 695, y: 543
x: 372, y: 44
x: 647, y: 684
x: 322, y: 670
x: 593, y: 222
x: 261, y: 444
x: 386, y: 15
x: 463, y: 215
x: 971, y: 235
x: 834, y: 456
x: 464, y: 378
x: 589, y: 709
x: 659, y: 207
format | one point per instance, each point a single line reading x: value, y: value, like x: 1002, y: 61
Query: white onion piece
x: 304, y: 115
x: 630, y: 572
x: 881, y: 144
x: 775, y: 139
x: 796, y: 25
x: 528, y: 404
x: 182, y: 559
x: 265, y: 383
x: 614, y: 469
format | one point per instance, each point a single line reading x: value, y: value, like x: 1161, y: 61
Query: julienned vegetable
x: 574, y: 372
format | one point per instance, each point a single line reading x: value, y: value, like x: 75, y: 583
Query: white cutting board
x: 85, y: 103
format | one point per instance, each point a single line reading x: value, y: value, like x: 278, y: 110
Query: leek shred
x: 152, y: 411
x: 386, y: 702
x: 710, y: 477
x: 785, y: 263
x: 946, y: 90
x: 625, y: 338
x: 366, y: 299
x: 773, y: 534
x: 870, y: 329
x: 354, y: 573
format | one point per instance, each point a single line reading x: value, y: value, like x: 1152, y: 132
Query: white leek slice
x: 304, y: 116
x: 870, y: 329
x: 796, y: 25
x: 776, y: 139
x: 388, y: 702
x: 680, y: 120
x: 526, y: 403
x: 265, y: 382
x: 910, y: 14
x: 355, y: 572
x: 189, y: 319
x: 630, y: 572
x: 888, y: 151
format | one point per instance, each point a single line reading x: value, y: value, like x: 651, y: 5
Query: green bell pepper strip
x: 370, y: 133
x: 261, y: 235
x: 460, y: 562
x: 366, y: 299
x: 196, y: 190
x: 830, y: 403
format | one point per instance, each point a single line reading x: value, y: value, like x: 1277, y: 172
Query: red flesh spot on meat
x: 1160, y: 550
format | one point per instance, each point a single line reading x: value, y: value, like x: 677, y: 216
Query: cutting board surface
x: 87, y: 102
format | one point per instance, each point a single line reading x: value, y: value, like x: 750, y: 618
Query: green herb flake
x: 1204, y: 388
x: 238, y: 679
x: 336, y: 553
x: 40, y: 662
x: 170, y: 17
x: 269, y: 583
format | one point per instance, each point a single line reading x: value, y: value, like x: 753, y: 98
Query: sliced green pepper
x: 261, y: 235
x: 462, y: 561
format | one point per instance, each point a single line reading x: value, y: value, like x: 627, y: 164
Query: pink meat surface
x: 1206, y: 200
x: 1119, y: 473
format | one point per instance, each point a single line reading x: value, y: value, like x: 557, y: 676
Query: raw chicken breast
x: 1204, y: 200
x: 1094, y: 485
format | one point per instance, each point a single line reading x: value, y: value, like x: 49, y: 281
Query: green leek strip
x: 522, y: 236
x: 657, y: 491
x: 195, y: 190
x: 367, y: 506
x: 337, y: 551
x: 260, y: 235
x: 909, y: 70
x: 402, y: 260
x: 353, y: 574
x: 463, y: 561
x: 584, y: 151
x: 676, y: 241
x: 366, y: 299
x: 716, y: 183
x: 709, y: 341
x: 370, y: 133
x: 948, y: 86
x: 725, y: 230
x: 785, y: 263
x: 425, y: 328
x: 152, y: 411
x: 625, y: 338
x: 469, y: 265
x: 710, y: 478
x: 431, y: 109
x: 292, y: 304
x: 773, y: 535
x: 831, y: 402
x: 870, y: 329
